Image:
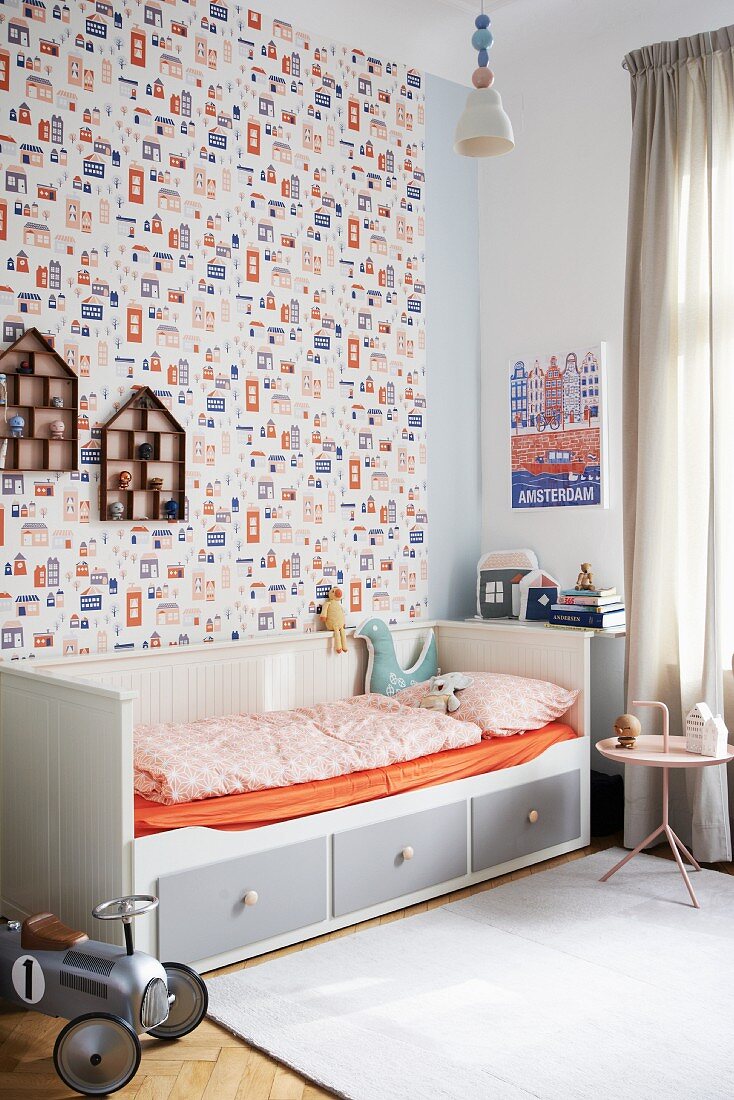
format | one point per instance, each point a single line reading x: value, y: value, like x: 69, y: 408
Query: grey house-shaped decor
x: 498, y: 577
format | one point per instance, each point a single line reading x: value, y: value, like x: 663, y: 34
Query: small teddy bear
x: 332, y: 613
x: 441, y: 692
x: 585, y: 579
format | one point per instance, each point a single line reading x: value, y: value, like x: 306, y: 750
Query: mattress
x: 236, y: 812
x: 241, y: 753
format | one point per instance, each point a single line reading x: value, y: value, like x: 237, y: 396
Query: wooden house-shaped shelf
x: 143, y: 419
x: 44, y: 377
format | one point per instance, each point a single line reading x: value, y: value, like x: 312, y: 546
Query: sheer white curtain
x: 679, y: 410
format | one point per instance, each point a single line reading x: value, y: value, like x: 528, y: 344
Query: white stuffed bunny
x: 442, y: 692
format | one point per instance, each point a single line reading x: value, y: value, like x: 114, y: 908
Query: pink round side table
x: 664, y: 752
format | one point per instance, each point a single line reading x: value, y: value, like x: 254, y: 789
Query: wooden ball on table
x: 627, y: 728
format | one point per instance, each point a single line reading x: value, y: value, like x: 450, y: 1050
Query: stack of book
x: 600, y: 609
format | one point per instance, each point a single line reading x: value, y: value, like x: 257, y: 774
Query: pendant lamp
x: 484, y: 130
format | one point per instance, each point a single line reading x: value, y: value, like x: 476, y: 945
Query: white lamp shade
x: 484, y: 130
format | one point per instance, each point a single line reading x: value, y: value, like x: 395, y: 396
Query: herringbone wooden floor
x: 210, y: 1064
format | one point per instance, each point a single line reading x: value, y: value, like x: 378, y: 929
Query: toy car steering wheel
x: 132, y: 905
x: 124, y: 909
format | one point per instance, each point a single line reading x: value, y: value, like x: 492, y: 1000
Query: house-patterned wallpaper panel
x: 231, y: 211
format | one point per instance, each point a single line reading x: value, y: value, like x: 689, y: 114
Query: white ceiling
x: 433, y: 35
x: 472, y: 8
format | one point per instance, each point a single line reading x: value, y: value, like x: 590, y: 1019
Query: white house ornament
x: 715, y: 736
x: 695, y: 720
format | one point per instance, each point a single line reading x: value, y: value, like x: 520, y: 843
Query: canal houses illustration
x: 558, y: 429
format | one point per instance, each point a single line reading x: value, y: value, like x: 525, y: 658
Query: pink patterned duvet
x: 250, y: 752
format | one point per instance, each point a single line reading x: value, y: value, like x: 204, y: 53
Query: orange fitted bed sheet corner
x: 255, y: 808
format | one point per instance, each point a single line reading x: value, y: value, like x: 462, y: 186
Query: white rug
x: 554, y: 986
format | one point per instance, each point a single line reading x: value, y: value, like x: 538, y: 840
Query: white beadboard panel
x: 561, y: 657
x: 90, y: 829
x: 188, y: 683
x: 67, y: 798
x: 28, y: 800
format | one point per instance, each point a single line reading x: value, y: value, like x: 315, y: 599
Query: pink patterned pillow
x: 502, y: 705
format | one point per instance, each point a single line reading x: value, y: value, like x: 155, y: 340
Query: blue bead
x: 482, y: 40
x: 482, y: 21
x: 482, y: 59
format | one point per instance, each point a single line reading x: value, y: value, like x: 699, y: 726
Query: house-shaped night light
x: 696, y: 719
x: 715, y: 736
x: 538, y: 592
x: 498, y: 577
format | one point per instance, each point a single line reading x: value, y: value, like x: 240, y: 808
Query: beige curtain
x: 678, y: 409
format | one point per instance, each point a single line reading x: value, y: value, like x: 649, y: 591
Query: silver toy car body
x: 109, y: 994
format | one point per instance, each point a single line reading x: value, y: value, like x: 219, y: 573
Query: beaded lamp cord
x: 482, y: 40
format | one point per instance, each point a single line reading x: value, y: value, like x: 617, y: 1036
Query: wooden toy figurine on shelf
x: 585, y: 579
x: 332, y: 613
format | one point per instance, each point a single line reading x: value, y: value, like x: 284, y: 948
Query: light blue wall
x: 452, y: 359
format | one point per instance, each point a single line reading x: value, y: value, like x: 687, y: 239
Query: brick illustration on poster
x: 558, y: 429
x: 229, y: 209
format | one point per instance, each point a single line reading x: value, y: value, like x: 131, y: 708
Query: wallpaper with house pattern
x: 231, y: 211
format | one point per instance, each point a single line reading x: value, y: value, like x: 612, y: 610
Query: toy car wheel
x: 189, y: 1008
x: 97, y: 1054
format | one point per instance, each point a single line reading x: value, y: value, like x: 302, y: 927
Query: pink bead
x: 482, y: 78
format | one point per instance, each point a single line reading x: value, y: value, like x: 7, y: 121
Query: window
x: 494, y: 592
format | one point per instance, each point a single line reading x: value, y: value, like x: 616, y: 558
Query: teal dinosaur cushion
x: 385, y: 674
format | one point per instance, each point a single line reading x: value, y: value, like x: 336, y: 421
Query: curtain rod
x: 705, y: 34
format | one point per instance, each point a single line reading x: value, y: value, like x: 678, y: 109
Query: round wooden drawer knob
x: 251, y: 897
x: 533, y: 816
x: 408, y: 853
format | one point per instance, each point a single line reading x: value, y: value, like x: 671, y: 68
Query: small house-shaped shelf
x: 44, y: 391
x: 143, y: 419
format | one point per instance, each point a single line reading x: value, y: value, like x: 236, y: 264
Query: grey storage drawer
x: 202, y: 911
x: 369, y: 865
x: 525, y: 819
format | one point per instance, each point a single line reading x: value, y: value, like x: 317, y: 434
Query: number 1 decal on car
x: 28, y: 980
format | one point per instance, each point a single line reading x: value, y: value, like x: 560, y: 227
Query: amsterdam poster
x: 557, y: 429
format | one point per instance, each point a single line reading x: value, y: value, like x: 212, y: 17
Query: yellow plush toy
x: 332, y: 613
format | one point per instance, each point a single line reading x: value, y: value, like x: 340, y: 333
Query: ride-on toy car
x: 110, y: 995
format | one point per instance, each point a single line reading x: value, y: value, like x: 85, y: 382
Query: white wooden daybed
x: 66, y: 756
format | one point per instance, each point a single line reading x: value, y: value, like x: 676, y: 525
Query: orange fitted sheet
x: 255, y: 808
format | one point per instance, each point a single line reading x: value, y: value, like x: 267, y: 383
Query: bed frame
x: 66, y: 811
